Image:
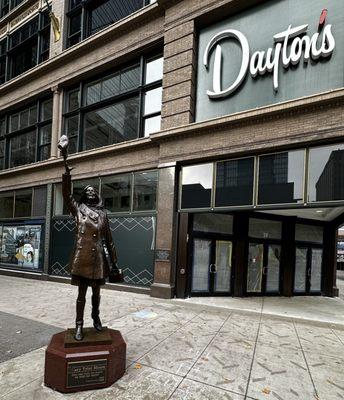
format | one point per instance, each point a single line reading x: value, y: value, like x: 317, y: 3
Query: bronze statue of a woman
x: 92, y: 248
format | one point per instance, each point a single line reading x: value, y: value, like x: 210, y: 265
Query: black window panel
x: 145, y: 187
x: 2, y: 154
x: 116, y: 192
x: 39, y: 204
x: 6, y: 205
x: 234, y: 182
x: 326, y: 177
x: 72, y: 128
x: 281, y: 178
x: 23, y: 149
x: 105, y: 13
x: 73, y: 100
x: 23, y: 59
x: 197, y: 183
x: 46, y: 110
x: 23, y: 203
x: 113, y: 124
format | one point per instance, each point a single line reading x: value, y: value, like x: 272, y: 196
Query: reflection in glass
x: 116, y: 193
x: 215, y: 223
x: 316, y: 270
x: 325, y: 173
x: 152, y: 125
x: 145, y: 188
x: 300, y: 270
x: 153, y: 101
x: 112, y: 124
x: 265, y: 229
x: 39, y: 204
x: 23, y: 203
x: 200, y: 265
x: 255, y: 268
x: 223, y: 264
x: 46, y: 110
x: 309, y: 233
x: 23, y: 149
x: 73, y: 100
x: 154, y: 70
x: 196, y: 186
x: 273, y: 268
x: 234, y: 182
x: 281, y: 178
x: 6, y: 205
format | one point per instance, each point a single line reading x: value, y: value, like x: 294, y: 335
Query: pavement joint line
x: 254, y: 350
x: 337, y: 336
x: 172, y: 333
x: 206, y: 347
x: 304, y: 356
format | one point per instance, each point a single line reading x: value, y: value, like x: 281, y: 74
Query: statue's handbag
x: 115, y: 274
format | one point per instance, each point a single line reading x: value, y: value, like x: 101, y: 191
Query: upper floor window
x: 121, y: 106
x: 86, y: 18
x: 25, y: 135
x: 8, y: 5
x: 25, y: 48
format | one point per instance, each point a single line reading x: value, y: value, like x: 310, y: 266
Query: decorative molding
x: 23, y: 16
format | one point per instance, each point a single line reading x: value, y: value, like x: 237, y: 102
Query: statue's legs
x: 95, y: 307
x: 80, y: 306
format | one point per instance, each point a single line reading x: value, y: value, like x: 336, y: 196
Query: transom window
x: 8, y: 5
x: 25, y: 135
x: 85, y: 18
x: 123, y: 105
x: 25, y: 48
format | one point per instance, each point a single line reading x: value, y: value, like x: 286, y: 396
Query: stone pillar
x: 179, y: 75
x: 56, y: 122
x: 163, y: 286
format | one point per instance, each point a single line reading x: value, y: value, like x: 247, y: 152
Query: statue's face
x: 91, y: 194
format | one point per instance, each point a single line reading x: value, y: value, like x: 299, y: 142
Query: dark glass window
x: 281, y: 178
x: 326, y: 173
x: 145, y: 188
x: 25, y: 48
x: 23, y: 203
x: 114, y: 108
x: 234, y: 182
x: 309, y: 233
x: 23, y: 149
x: 116, y: 193
x: 6, y: 205
x: 7, y: 6
x: 39, y: 203
x: 197, y: 182
x: 113, y: 124
x: 28, y: 135
x: 98, y: 15
x: 214, y: 223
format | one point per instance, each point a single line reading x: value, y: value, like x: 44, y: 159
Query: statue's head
x: 90, y: 197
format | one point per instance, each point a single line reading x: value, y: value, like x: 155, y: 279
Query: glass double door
x: 211, y: 266
x: 263, y: 268
x: 308, y: 270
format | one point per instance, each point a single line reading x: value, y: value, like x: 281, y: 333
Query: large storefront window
x: 234, y: 182
x: 118, y: 107
x: 325, y: 181
x: 281, y: 178
x: 25, y: 48
x: 127, y: 193
x: 87, y: 18
x: 28, y: 134
x: 197, y: 182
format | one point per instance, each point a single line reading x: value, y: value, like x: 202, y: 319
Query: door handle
x: 212, y: 268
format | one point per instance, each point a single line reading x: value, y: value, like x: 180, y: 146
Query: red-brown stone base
x: 94, y: 365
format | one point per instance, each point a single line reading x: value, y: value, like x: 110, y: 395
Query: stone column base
x: 162, y: 291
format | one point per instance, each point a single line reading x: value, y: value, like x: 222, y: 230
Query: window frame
x: 83, y: 108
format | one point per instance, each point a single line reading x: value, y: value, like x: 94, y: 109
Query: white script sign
x: 290, y: 46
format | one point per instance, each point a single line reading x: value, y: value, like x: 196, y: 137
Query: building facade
x: 213, y: 131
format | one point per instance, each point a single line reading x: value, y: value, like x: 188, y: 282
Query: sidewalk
x: 177, y: 350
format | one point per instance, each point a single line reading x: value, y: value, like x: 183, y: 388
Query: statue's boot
x: 95, y: 313
x: 79, y: 323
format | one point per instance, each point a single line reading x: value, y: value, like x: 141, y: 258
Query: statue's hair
x: 83, y: 198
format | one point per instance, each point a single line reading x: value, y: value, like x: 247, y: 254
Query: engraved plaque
x: 85, y: 373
